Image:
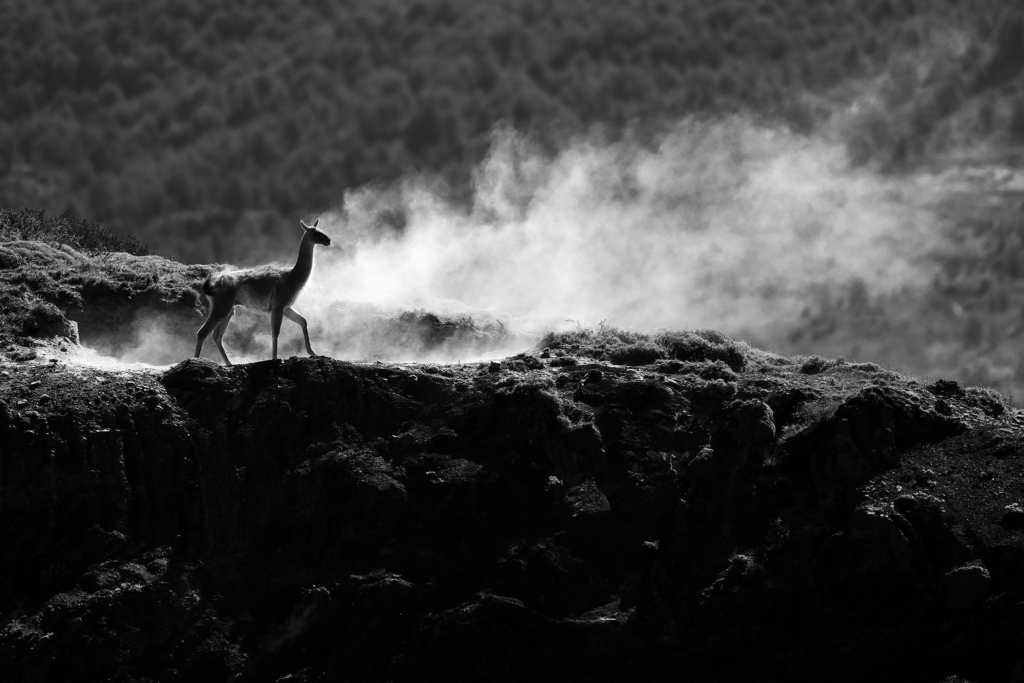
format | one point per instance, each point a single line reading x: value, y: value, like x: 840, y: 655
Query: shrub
x: 703, y: 345
x: 83, y: 235
x: 815, y: 365
x: 44, y: 319
x: 638, y: 353
x: 716, y: 370
x: 633, y: 348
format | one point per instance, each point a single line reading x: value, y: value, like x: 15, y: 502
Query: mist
x: 728, y: 224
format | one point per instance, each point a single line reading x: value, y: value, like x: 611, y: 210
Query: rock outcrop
x: 553, y: 517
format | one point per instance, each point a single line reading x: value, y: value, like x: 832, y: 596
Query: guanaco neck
x: 304, y: 264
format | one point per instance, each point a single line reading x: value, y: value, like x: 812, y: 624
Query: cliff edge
x: 680, y: 506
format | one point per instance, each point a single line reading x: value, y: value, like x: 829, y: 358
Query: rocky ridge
x: 724, y: 513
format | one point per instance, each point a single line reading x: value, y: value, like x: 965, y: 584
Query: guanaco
x: 265, y: 288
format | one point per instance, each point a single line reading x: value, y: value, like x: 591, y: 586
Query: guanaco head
x: 315, y: 234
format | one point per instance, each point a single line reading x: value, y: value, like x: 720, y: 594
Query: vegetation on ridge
x: 171, y: 118
x: 624, y: 347
x: 82, y: 235
x: 53, y: 267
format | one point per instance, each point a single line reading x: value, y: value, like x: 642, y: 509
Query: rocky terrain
x: 719, y: 513
x: 604, y: 506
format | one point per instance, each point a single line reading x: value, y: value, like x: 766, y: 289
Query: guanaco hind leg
x: 218, y: 335
x: 294, y: 316
x: 218, y: 313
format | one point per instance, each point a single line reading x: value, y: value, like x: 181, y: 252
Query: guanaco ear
x: 304, y: 226
x: 316, y: 222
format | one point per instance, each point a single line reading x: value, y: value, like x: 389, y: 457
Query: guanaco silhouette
x: 265, y: 288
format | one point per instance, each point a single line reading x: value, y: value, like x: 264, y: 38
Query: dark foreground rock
x: 315, y: 520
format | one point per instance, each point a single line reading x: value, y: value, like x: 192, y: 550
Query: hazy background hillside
x: 181, y: 116
x: 208, y: 131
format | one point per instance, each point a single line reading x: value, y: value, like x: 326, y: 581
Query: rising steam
x: 724, y: 224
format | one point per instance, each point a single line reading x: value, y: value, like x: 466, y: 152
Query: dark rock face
x: 929, y: 530
x: 319, y: 520
x: 1013, y: 517
x: 965, y: 588
x: 865, y: 436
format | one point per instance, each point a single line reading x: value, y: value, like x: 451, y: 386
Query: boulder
x: 935, y: 543
x: 1013, y: 517
x: 752, y: 423
x: 965, y: 588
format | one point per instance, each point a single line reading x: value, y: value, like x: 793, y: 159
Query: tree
x: 179, y: 190
x: 50, y: 141
x: 385, y: 106
x: 7, y: 148
x: 1016, y: 126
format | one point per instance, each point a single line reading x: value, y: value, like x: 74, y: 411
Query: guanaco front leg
x: 275, y: 327
x: 294, y: 316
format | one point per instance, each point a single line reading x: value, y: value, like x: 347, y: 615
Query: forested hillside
x: 183, y: 121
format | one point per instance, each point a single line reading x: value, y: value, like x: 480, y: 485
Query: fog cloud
x: 728, y: 224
